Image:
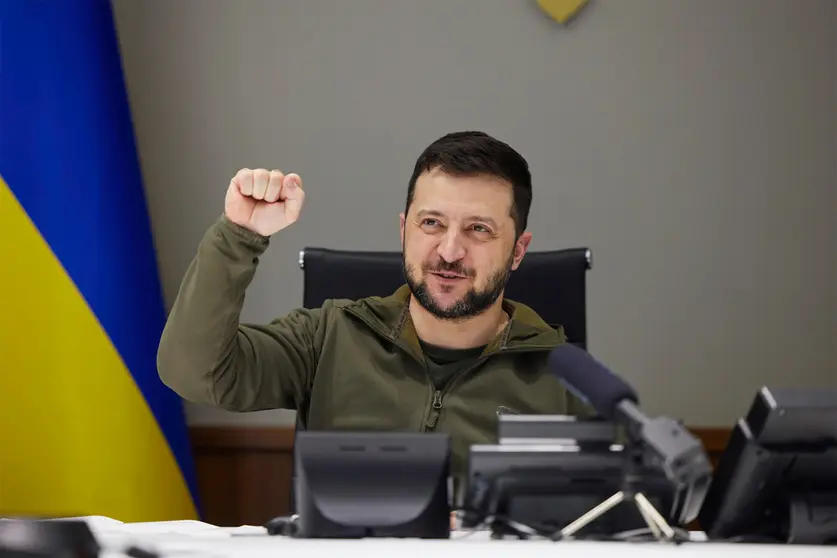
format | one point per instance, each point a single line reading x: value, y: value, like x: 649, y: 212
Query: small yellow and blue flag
x: 86, y: 425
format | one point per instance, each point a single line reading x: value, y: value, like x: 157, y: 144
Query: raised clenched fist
x: 263, y: 201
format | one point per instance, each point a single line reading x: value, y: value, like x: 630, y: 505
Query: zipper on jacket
x: 432, y: 418
x: 435, y: 411
x: 436, y: 407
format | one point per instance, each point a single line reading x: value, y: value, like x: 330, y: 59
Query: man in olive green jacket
x: 445, y: 352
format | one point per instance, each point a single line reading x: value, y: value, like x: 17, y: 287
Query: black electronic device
x: 660, y: 457
x: 372, y: 484
x: 47, y: 538
x: 549, y: 486
x: 777, y: 478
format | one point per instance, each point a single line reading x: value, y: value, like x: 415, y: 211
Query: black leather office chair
x: 553, y: 283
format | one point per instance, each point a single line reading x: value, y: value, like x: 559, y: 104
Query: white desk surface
x: 194, y: 538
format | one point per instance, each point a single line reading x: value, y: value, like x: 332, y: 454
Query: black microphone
x: 592, y: 382
x: 665, y: 443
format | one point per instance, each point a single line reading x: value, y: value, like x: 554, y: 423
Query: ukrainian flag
x: 86, y: 426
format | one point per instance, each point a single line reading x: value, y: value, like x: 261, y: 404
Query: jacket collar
x: 390, y: 316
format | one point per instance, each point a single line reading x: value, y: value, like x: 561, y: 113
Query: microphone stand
x: 629, y: 492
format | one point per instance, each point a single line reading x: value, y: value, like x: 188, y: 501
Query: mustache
x: 454, y: 268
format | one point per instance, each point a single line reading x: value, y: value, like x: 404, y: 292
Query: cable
x: 283, y: 526
x: 138, y: 552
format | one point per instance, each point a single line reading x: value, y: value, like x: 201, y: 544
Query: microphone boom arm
x: 663, y: 444
x: 658, y: 443
x: 669, y: 446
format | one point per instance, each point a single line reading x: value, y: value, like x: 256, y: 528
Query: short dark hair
x: 474, y: 153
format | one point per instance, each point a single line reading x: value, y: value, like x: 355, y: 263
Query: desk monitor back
x: 372, y: 484
x: 777, y: 478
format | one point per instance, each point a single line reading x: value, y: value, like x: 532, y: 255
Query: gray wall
x: 690, y: 143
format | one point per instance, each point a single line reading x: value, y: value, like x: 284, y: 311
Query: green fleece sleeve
x: 207, y: 356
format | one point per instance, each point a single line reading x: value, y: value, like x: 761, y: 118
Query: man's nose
x: 451, y: 247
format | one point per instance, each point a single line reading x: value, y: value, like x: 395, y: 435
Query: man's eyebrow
x: 437, y: 213
x: 431, y: 212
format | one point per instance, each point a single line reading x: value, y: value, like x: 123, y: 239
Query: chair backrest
x: 553, y: 283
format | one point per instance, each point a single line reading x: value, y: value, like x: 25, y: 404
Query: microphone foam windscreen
x: 589, y: 379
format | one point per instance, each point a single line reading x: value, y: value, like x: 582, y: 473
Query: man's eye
x: 481, y: 229
x: 430, y: 222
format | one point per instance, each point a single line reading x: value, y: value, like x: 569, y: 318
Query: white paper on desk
x: 101, y: 525
x: 183, y: 527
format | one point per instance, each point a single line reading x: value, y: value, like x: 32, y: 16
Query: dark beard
x: 472, y: 304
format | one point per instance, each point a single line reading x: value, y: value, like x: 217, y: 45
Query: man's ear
x: 403, y: 222
x: 520, y: 247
